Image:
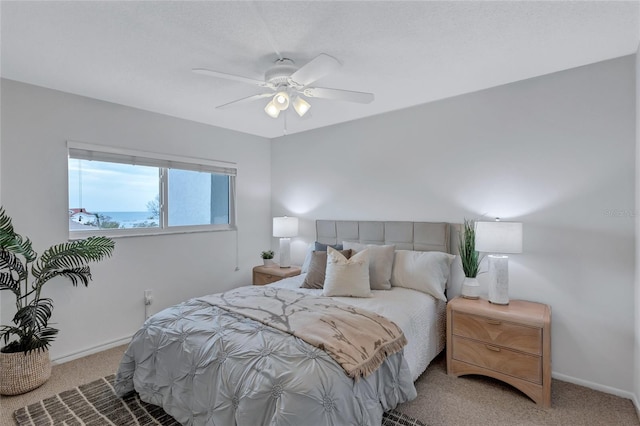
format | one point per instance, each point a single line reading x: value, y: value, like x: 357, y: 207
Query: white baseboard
x: 601, y: 388
x: 91, y: 350
x: 596, y: 386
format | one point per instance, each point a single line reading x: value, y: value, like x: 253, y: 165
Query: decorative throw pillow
x: 347, y: 277
x: 425, y: 271
x: 380, y: 263
x: 323, y: 247
x: 317, y: 267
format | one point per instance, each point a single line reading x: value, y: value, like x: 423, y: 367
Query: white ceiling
x: 408, y: 53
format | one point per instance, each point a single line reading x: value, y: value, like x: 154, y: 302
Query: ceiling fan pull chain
x: 284, y: 130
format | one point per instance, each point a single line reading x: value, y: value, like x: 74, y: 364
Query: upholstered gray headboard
x: 419, y: 236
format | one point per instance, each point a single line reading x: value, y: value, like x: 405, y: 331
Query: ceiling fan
x: 287, y: 84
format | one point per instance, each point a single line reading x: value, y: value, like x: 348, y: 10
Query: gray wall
x: 555, y: 152
x: 36, y: 123
x: 636, y: 370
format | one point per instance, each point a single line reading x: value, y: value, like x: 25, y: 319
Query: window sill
x: 146, y: 232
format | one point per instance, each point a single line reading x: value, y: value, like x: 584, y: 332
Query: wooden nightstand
x: 269, y: 274
x: 510, y: 342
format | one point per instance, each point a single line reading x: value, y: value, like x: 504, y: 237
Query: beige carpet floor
x: 442, y: 400
x: 482, y: 401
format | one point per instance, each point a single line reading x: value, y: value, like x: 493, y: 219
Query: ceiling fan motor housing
x: 279, y: 74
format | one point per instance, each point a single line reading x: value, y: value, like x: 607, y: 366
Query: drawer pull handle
x: 494, y: 322
x: 492, y: 348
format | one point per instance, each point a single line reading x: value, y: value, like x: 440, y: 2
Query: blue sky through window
x: 111, y: 187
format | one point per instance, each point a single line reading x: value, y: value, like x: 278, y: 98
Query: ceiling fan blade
x: 233, y: 77
x: 245, y: 100
x: 338, y: 95
x: 315, y: 69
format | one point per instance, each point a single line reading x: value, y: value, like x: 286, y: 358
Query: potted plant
x: 470, y: 259
x: 24, y: 360
x: 267, y: 257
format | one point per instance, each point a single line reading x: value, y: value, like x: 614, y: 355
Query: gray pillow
x: 317, y: 269
x: 380, y: 263
x: 323, y: 247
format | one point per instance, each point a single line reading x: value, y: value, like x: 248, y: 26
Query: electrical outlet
x: 148, y: 297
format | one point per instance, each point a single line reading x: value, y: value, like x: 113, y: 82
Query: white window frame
x: 87, y: 151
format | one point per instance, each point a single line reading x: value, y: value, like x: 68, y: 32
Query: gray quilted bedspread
x: 208, y: 366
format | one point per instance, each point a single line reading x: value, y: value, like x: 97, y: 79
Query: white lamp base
x: 498, y: 279
x: 285, y: 252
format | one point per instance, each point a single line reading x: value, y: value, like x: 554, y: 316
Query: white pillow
x: 307, y: 259
x: 347, y: 277
x: 380, y: 263
x: 425, y: 271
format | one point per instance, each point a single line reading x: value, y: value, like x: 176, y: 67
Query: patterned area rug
x: 96, y: 404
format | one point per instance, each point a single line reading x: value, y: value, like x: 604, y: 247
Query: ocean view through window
x: 119, y: 192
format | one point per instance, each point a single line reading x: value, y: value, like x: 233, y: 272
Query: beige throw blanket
x: 355, y: 338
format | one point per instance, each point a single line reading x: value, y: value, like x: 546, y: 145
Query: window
x: 120, y: 192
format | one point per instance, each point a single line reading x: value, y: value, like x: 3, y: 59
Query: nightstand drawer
x: 262, y: 279
x: 501, y: 333
x: 270, y: 274
x: 500, y: 359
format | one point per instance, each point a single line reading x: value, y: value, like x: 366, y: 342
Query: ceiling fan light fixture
x: 301, y: 106
x: 281, y: 100
x: 272, y: 110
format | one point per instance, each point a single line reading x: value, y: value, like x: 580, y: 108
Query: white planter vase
x: 470, y: 288
x: 268, y: 262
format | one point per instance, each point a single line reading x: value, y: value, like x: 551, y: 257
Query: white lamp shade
x: 272, y: 110
x: 499, y: 237
x: 281, y: 100
x: 285, y: 227
x: 301, y: 106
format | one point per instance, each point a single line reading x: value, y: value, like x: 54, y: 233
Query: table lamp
x: 499, y: 238
x: 285, y: 228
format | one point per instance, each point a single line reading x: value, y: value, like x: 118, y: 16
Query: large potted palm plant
x: 24, y: 360
x: 470, y: 259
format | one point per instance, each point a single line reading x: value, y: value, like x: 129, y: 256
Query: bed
x: 209, y: 361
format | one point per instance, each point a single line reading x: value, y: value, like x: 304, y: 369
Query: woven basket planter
x: 20, y: 373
